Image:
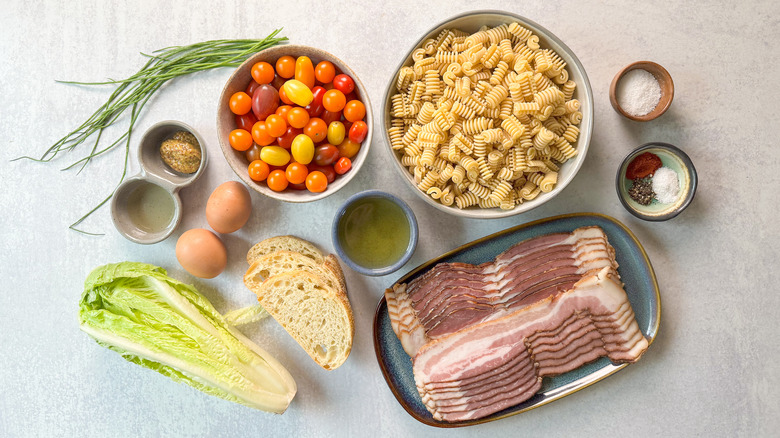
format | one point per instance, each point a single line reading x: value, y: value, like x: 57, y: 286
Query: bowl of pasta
x: 488, y: 115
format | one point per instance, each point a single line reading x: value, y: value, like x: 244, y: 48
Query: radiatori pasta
x: 484, y: 120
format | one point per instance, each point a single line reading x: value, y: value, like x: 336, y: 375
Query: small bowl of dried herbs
x: 656, y: 181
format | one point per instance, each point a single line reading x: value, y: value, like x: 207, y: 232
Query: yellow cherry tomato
x: 275, y: 155
x: 302, y: 149
x: 298, y: 92
x: 336, y: 132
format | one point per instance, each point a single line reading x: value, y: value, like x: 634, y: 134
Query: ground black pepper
x: 642, y: 191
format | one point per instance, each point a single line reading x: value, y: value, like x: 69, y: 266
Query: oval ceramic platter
x: 635, y: 271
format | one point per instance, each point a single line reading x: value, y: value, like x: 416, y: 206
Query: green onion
x: 135, y: 91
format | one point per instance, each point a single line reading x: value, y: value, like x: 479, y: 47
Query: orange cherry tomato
x: 325, y: 72
x: 348, y: 148
x: 240, y: 103
x: 316, y: 182
x: 316, y: 129
x: 263, y: 72
x: 277, y: 181
x: 297, y: 117
x: 275, y: 125
x: 343, y: 165
x: 285, y: 66
x: 258, y: 170
x: 296, y: 173
x: 304, y: 71
x: 260, y: 134
x: 283, y: 110
x: 283, y: 96
x: 354, y: 110
x: 334, y: 100
x: 240, y: 140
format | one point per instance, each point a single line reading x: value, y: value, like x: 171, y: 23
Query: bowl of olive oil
x: 374, y: 232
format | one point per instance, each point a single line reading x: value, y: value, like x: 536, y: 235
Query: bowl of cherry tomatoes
x: 294, y: 123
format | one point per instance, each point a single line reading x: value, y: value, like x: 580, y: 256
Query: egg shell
x: 201, y: 253
x: 228, y: 207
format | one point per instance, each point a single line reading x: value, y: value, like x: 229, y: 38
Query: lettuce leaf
x: 167, y: 326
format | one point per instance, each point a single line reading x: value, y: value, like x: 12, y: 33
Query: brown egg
x: 201, y: 253
x: 228, y: 207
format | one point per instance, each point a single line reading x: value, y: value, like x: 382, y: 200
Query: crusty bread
x: 277, y: 262
x: 318, y: 316
x: 284, y: 243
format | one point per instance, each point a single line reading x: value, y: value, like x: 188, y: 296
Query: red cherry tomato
x: 277, y: 181
x: 296, y: 173
x: 304, y: 71
x: 316, y: 182
x: 246, y: 122
x: 343, y: 83
x: 358, y: 131
x: 325, y: 155
x: 250, y: 89
x: 328, y: 171
x: 333, y: 100
x: 285, y: 66
x: 276, y: 125
x: 258, y: 170
x: 263, y: 72
x: 325, y: 72
x: 348, y: 148
x: 330, y: 117
x: 343, y: 165
x: 316, y: 129
x: 240, y: 103
x: 354, y: 110
x: 315, y: 107
x: 301, y: 186
x: 252, y: 153
x: 297, y: 117
x: 265, y: 100
x: 260, y: 134
x: 240, y: 140
x: 278, y: 82
x: 287, y: 138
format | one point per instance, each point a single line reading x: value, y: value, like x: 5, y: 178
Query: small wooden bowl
x: 664, y: 80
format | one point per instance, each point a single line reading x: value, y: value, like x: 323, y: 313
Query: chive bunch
x: 135, y: 91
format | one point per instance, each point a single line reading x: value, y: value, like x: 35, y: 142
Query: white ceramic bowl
x: 239, y: 80
x: 471, y: 22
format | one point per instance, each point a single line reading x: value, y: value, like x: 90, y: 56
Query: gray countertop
x: 713, y: 369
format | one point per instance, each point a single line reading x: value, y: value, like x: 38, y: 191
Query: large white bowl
x: 471, y: 22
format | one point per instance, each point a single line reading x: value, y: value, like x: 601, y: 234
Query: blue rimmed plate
x: 635, y: 271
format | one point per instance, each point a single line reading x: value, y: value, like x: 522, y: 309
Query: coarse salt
x: 666, y: 185
x: 638, y: 92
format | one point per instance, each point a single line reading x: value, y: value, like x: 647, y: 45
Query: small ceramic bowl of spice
x: 146, y: 208
x: 374, y: 232
x: 656, y: 182
x: 642, y: 91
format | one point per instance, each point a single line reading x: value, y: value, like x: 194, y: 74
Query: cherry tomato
x: 316, y: 129
x: 263, y: 72
x: 275, y: 125
x: 275, y: 155
x: 316, y: 182
x: 336, y: 132
x: 283, y: 96
x: 302, y: 149
x: 298, y: 92
x: 265, y: 100
x: 301, y: 186
x: 343, y: 83
x: 325, y: 155
x: 304, y: 71
x: 285, y: 141
x: 354, y: 110
x: 240, y: 140
x: 246, y: 122
x: 258, y: 170
x: 325, y: 72
x: 285, y: 66
x: 240, y: 103
x: 297, y: 117
x: 260, y: 134
x: 358, y: 131
x: 348, y: 148
x: 252, y: 153
x: 278, y: 82
x: 333, y: 100
x: 277, y: 181
x: 315, y: 107
x: 296, y: 173
x: 330, y: 117
x: 343, y: 165
x: 250, y: 89
x: 328, y: 171
x: 283, y: 110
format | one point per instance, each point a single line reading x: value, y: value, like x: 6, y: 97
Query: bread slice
x: 316, y: 315
x: 277, y: 262
x: 284, y: 243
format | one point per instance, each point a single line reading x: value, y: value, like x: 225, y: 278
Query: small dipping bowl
x: 146, y: 208
x: 664, y: 81
x: 374, y: 232
x: 671, y: 157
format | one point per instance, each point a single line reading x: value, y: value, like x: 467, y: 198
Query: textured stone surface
x: 713, y: 369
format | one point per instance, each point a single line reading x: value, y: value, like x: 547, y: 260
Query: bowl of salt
x: 642, y: 91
